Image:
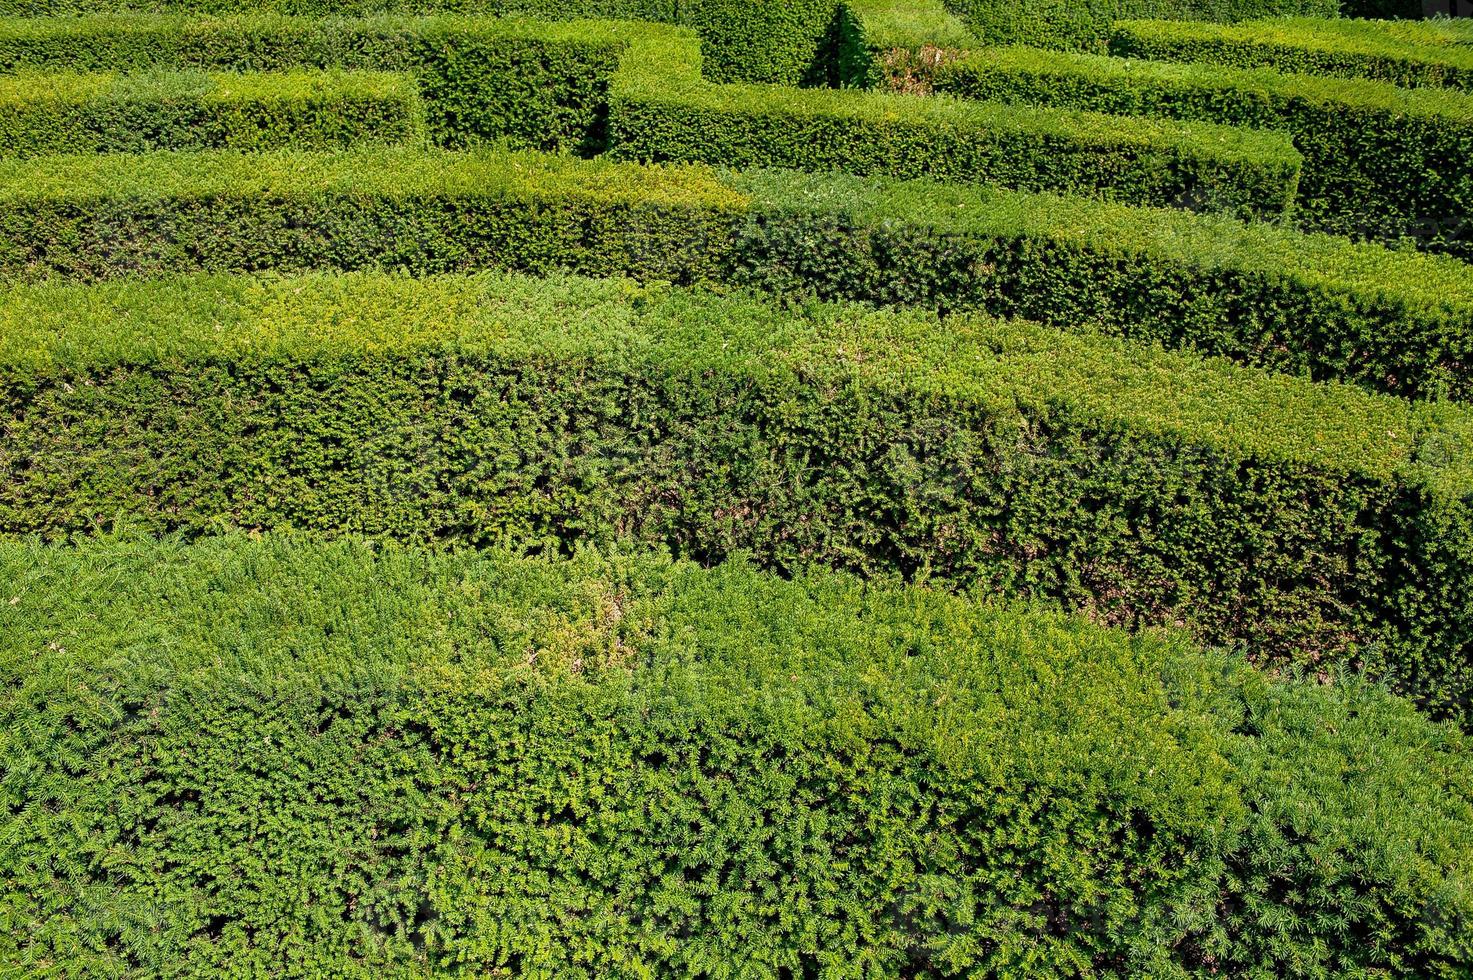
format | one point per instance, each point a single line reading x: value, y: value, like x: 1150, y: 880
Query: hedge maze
x: 712, y: 489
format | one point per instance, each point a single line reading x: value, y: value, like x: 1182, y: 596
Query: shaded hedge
x: 1087, y: 25
x: 1321, y: 524
x: 1403, y: 54
x: 42, y: 114
x: 522, y: 83
x: 364, y: 760
x: 1392, y: 321
x: 1380, y: 162
x: 555, y: 86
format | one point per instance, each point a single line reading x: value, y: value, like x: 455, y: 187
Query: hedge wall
x: 362, y: 760
x: 660, y: 110
x: 1343, y: 49
x: 42, y: 114
x: 1319, y: 523
x: 1380, y: 162
x: 743, y: 40
x: 1060, y: 24
x: 523, y: 83
x: 891, y: 44
x: 659, y: 107
x: 1392, y: 321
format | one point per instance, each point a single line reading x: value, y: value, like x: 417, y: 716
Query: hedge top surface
x: 1436, y: 106
x: 396, y: 172
x: 910, y: 24
x: 29, y: 90
x: 1420, y: 281
x: 56, y: 329
x: 1319, y: 36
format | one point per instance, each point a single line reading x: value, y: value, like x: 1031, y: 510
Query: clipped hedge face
x: 1058, y: 24
x: 1380, y: 162
x: 1391, y: 321
x: 1323, y: 524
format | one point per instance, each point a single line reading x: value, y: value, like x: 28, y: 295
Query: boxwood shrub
x: 366, y: 760
x: 1393, y: 321
x: 1323, y: 525
x: 1380, y: 161
x: 108, y: 113
x: 1345, y: 49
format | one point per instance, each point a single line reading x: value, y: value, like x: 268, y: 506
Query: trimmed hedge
x: 1323, y: 525
x: 1341, y: 49
x: 660, y: 110
x: 1083, y: 26
x: 1380, y: 162
x: 521, y: 83
x: 891, y: 44
x: 743, y: 40
x: 1392, y: 321
x: 42, y: 114
x: 357, y: 759
x: 659, y: 107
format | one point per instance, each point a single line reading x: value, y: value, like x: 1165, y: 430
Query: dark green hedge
x: 1321, y: 524
x: 477, y: 74
x: 661, y: 111
x: 1391, y: 321
x: 1343, y: 49
x: 524, y: 83
x: 1380, y: 162
x: 283, y: 757
x: 743, y: 40
x: 42, y: 114
x: 1087, y: 25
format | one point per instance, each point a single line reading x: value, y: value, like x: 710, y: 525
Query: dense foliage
x: 1087, y: 24
x: 1324, y: 524
x: 360, y: 760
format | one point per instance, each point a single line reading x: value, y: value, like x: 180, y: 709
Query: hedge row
x: 524, y: 83
x: 476, y: 74
x: 1343, y: 49
x: 1087, y: 25
x: 660, y: 110
x: 1392, y: 321
x: 1323, y: 525
x: 42, y: 114
x: 1380, y: 162
x: 357, y: 759
x: 743, y: 40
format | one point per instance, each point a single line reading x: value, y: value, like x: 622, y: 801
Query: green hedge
x: 1343, y: 49
x: 1060, y: 24
x: 363, y: 760
x: 744, y: 40
x: 660, y: 108
x: 524, y: 83
x: 1380, y: 162
x: 891, y: 44
x: 661, y: 111
x: 1392, y: 321
x: 42, y: 114
x: 1323, y: 525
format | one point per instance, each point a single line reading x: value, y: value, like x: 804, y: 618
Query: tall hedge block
x: 1322, y: 525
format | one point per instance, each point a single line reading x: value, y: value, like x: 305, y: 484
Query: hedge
x: 1341, y: 49
x: 42, y: 114
x: 1392, y: 321
x: 357, y: 759
x: 1380, y: 162
x: 660, y: 110
x: 1086, y: 26
x: 744, y: 40
x: 1323, y: 525
x: 891, y: 44
x: 521, y: 83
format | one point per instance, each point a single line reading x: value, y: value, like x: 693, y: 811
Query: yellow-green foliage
x: 368, y: 760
